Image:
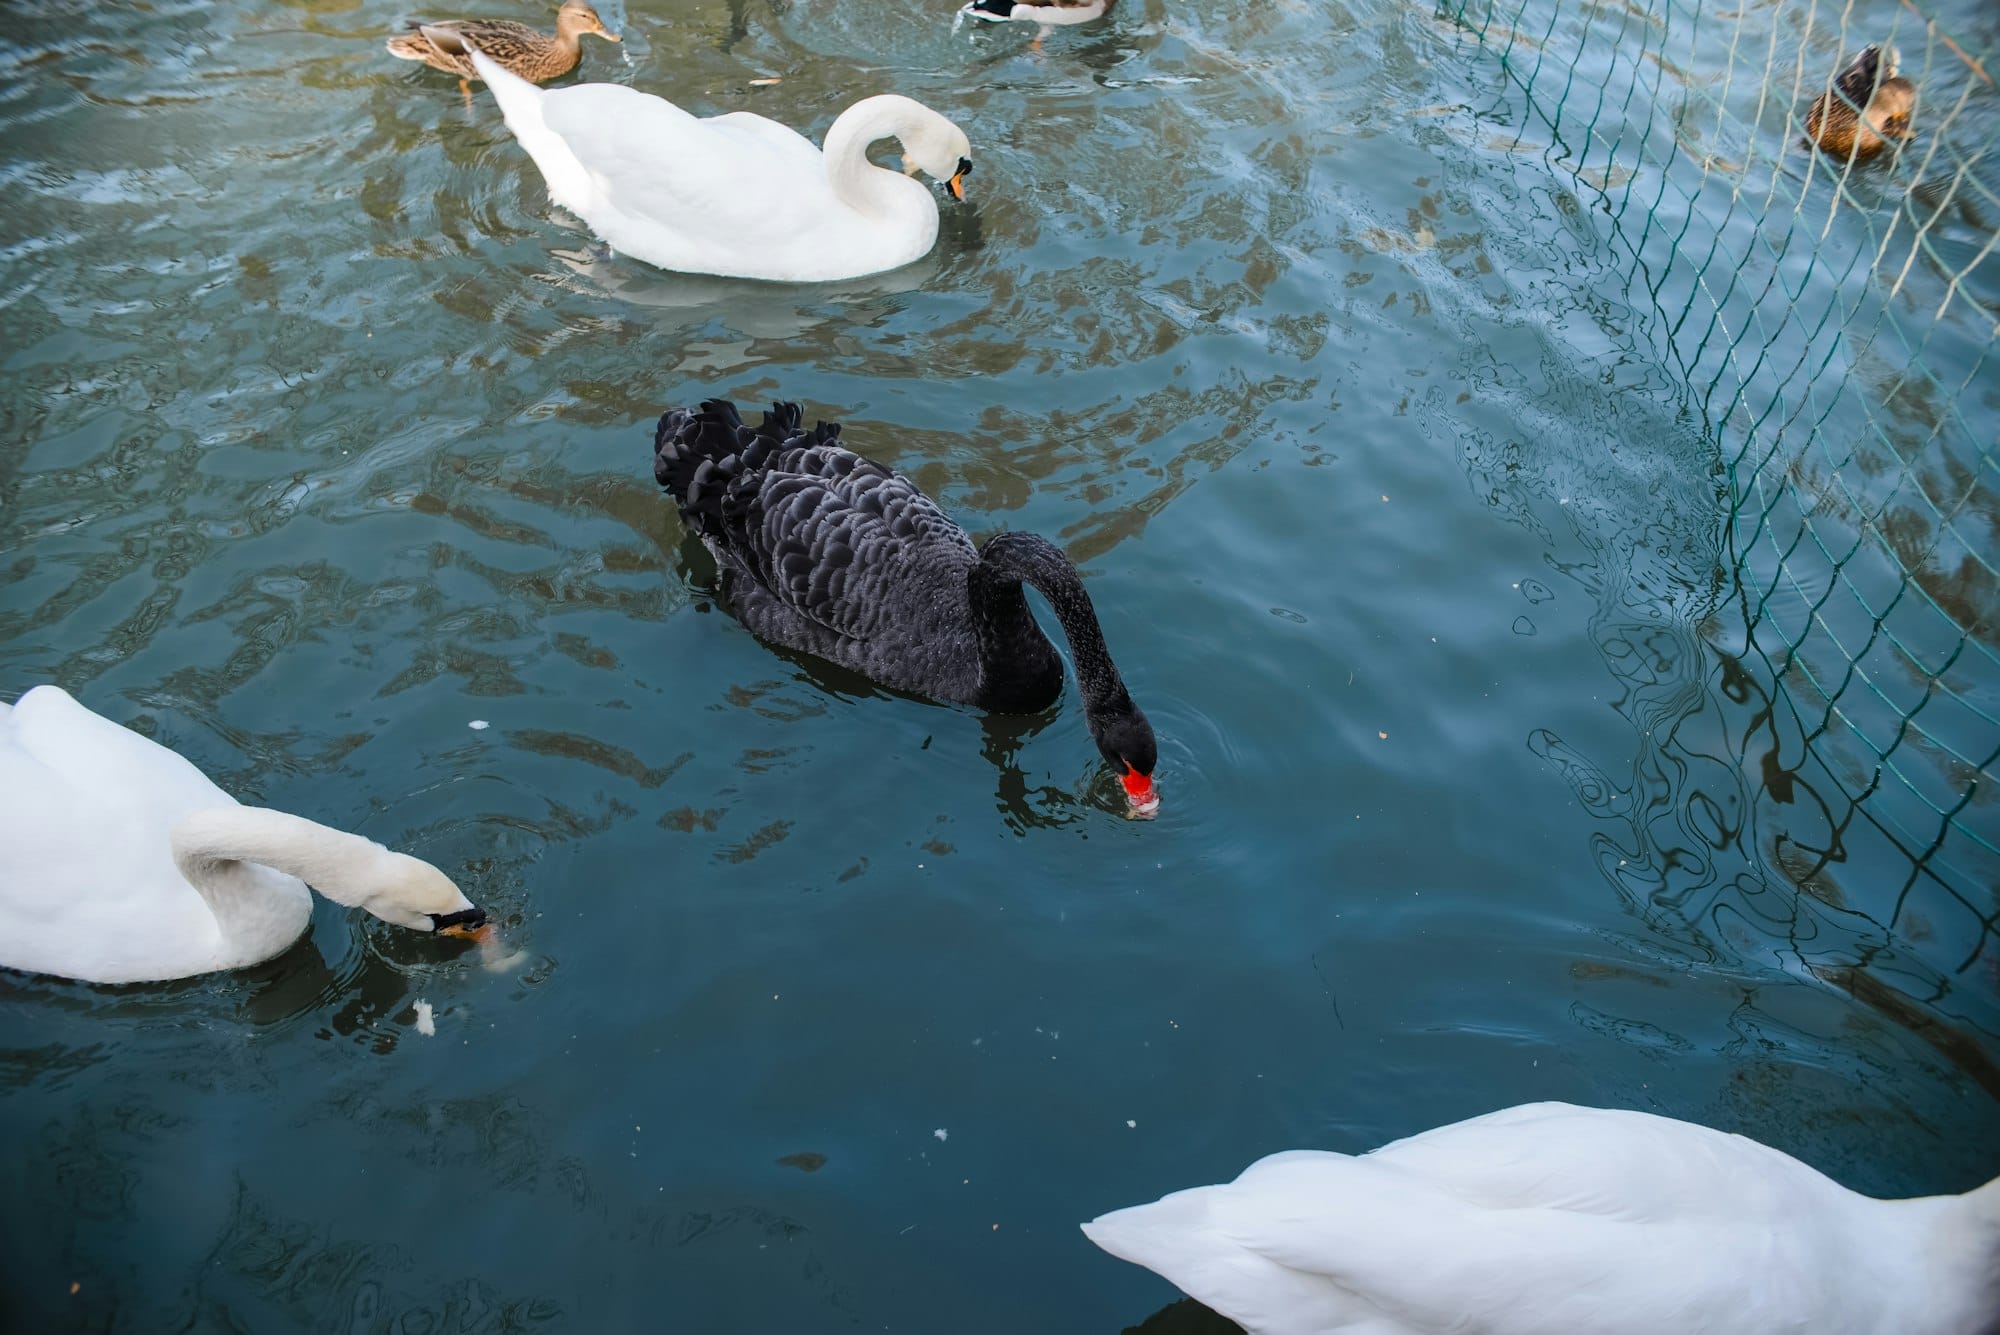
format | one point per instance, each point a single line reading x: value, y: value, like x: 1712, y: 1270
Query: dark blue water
x: 326, y: 436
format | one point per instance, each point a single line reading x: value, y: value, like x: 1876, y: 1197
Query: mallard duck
x: 1549, y: 1217
x: 120, y: 862
x: 736, y: 195
x: 527, y: 52
x: 1048, y: 13
x: 1867, y: 106
x: 822, y: 550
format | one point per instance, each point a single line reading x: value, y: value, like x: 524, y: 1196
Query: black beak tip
x: 467, y: 918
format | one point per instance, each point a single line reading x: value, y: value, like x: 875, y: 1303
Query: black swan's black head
x: 1126, y: 739
x: 990, y: 9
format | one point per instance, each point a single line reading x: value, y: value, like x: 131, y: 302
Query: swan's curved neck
x: 215, y: 849
x: 855, y: 180
x: 1011, y: 559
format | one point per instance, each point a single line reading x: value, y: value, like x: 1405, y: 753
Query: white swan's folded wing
x: 1605, y: 1161
x: 685, y: 192
x: 48, y: 733
x: 88, y: 887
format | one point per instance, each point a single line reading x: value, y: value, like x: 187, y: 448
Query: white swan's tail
x: 1176, y: 1240
x: 519, y: 100
x: 522, y: 104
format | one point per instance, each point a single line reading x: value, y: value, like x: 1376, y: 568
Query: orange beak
x: 483, y: 933
x: 1139, y: 792
x: 465, y: 923
x: 957, y: 186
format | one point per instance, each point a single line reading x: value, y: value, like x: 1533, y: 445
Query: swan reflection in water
x: 772, y: 312
x: 1185, y: 1317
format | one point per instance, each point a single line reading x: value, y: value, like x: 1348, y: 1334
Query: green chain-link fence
x: 1835, y: 322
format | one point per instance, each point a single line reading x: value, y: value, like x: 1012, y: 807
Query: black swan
x: 822, y: 550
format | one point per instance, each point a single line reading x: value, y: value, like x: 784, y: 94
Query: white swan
x: 1553, y: 1219
x: 120, y: 862
x: 736, y: 195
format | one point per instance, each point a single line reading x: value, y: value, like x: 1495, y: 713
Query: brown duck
x: 528, y: 52
x: 1868, y: 106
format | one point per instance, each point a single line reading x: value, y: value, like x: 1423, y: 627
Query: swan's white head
x: 938, y: 147
x: 410, y: 892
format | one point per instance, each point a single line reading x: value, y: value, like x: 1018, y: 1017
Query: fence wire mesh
x: 1835, y: 322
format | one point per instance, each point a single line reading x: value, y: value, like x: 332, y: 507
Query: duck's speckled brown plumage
x: 1868, y: 106
x: 534, y: 55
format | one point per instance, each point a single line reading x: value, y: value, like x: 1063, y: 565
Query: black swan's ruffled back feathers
x: 813, y: 532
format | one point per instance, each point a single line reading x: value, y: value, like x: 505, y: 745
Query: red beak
x: 1139, y: 791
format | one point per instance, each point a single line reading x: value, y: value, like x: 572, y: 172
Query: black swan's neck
x: 1001, y: 615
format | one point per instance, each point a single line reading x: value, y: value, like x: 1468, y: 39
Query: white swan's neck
x: 859, y: 183
x: 219, y: 849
